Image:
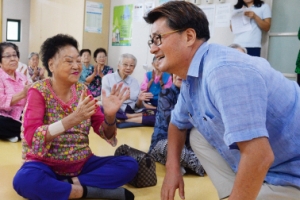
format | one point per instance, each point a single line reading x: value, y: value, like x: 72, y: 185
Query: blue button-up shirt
x: 232, y: 97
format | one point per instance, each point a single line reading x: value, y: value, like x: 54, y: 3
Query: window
x: 13, y: 30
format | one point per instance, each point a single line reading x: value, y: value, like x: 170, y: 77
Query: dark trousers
x: 9, y: 127
x: 35, y: 180
x: 253, y: 51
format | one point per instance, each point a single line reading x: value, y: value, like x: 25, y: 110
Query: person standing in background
x: 297, y: 70
x: 260, y: 15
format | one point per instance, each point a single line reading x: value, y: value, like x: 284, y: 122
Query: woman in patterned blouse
x: 59, y: 163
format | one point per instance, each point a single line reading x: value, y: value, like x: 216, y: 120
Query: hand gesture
x: 42, y: 72
x: 87, y: 106
x: 113, y: 102
x: 145, y: 96
x: 35, y: 71
x: 26, y: 88
x: 249, y: 14
x: 153, y: 75
x: 100, y: 72
x: 172, y: 181
x: 95, y: 70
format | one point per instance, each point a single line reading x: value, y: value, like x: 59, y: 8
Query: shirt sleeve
x: 180, y: 115
x: 241, y: 100
x: 34, y: 129
x: 145, y: 83
x: 105, y: 84
x: 5, y: 99
x: 266, y: 11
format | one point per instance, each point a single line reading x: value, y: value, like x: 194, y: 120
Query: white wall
x: 16, y: 9
x: 140, y: 36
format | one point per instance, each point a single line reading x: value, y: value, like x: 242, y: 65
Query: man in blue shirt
x: 245, y: 113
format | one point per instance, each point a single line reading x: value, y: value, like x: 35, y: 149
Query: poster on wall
x: 93, y: 17
x: 138, y: 10
x: 122, y: 25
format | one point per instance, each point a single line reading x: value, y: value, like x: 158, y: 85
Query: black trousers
x: 298, y: 79
x: 9, y: 127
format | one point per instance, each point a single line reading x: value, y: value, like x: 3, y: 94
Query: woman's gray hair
x: 33, y: 54
x: 127, y: 55
x: 237, y: 46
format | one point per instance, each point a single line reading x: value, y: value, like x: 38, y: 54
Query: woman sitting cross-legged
x: 127, y: 112
x: 59, y: 163
x: 158, y: 148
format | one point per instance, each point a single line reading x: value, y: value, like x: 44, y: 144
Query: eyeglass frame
x: 10, y: 56
x: 159, y: 36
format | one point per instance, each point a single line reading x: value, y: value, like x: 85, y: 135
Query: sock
x: 118, y: 193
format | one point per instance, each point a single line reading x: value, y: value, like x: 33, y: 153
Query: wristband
x: 56, y: 128
x: 108, y: 124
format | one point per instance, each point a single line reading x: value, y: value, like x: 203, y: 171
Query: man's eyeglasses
x: 9, y: 56
x: 156, y: 39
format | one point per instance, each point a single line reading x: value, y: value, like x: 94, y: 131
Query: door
x: 283, y: 41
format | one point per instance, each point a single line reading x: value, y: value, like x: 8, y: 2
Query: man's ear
x: 191, y: 36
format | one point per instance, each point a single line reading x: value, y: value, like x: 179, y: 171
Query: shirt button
x: 204, y: 118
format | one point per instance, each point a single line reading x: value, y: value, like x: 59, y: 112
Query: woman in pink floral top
x: 13, y: 92
x: 59, y: 163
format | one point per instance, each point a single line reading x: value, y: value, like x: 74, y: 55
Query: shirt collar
x: 119, y: 79
x: 6, y: 76
x: 195, y: 64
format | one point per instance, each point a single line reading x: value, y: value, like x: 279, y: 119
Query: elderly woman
x: 13, y: 92
x: 36, y: 73
x: 98, y: 72
x: 59, y: 163
x: 85, y: 55
x: 154, y: 81
x: 158, y: 148
x: 127, y: 63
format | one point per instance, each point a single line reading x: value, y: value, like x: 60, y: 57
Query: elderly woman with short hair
x: 127, y: 112
x: 36, y: 73
x: 59, y: 163
x: 13, y: 92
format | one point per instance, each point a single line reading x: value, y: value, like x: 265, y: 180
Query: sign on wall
x: 93, y: 17
x: 122, y: 25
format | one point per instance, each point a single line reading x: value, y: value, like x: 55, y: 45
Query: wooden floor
x: 196, y: 188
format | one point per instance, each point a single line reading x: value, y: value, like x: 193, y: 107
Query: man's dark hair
x: 181, y: 15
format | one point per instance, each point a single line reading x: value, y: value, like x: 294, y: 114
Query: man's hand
x: 172, y: 181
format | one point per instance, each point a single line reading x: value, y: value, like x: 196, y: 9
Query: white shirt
x: 252, y: 38
x: 110, y: 79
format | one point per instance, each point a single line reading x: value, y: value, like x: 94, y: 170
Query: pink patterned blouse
x: 67, y: 153
x: 9, y: 87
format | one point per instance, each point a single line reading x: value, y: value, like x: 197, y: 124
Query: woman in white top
x: 260, y: 19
